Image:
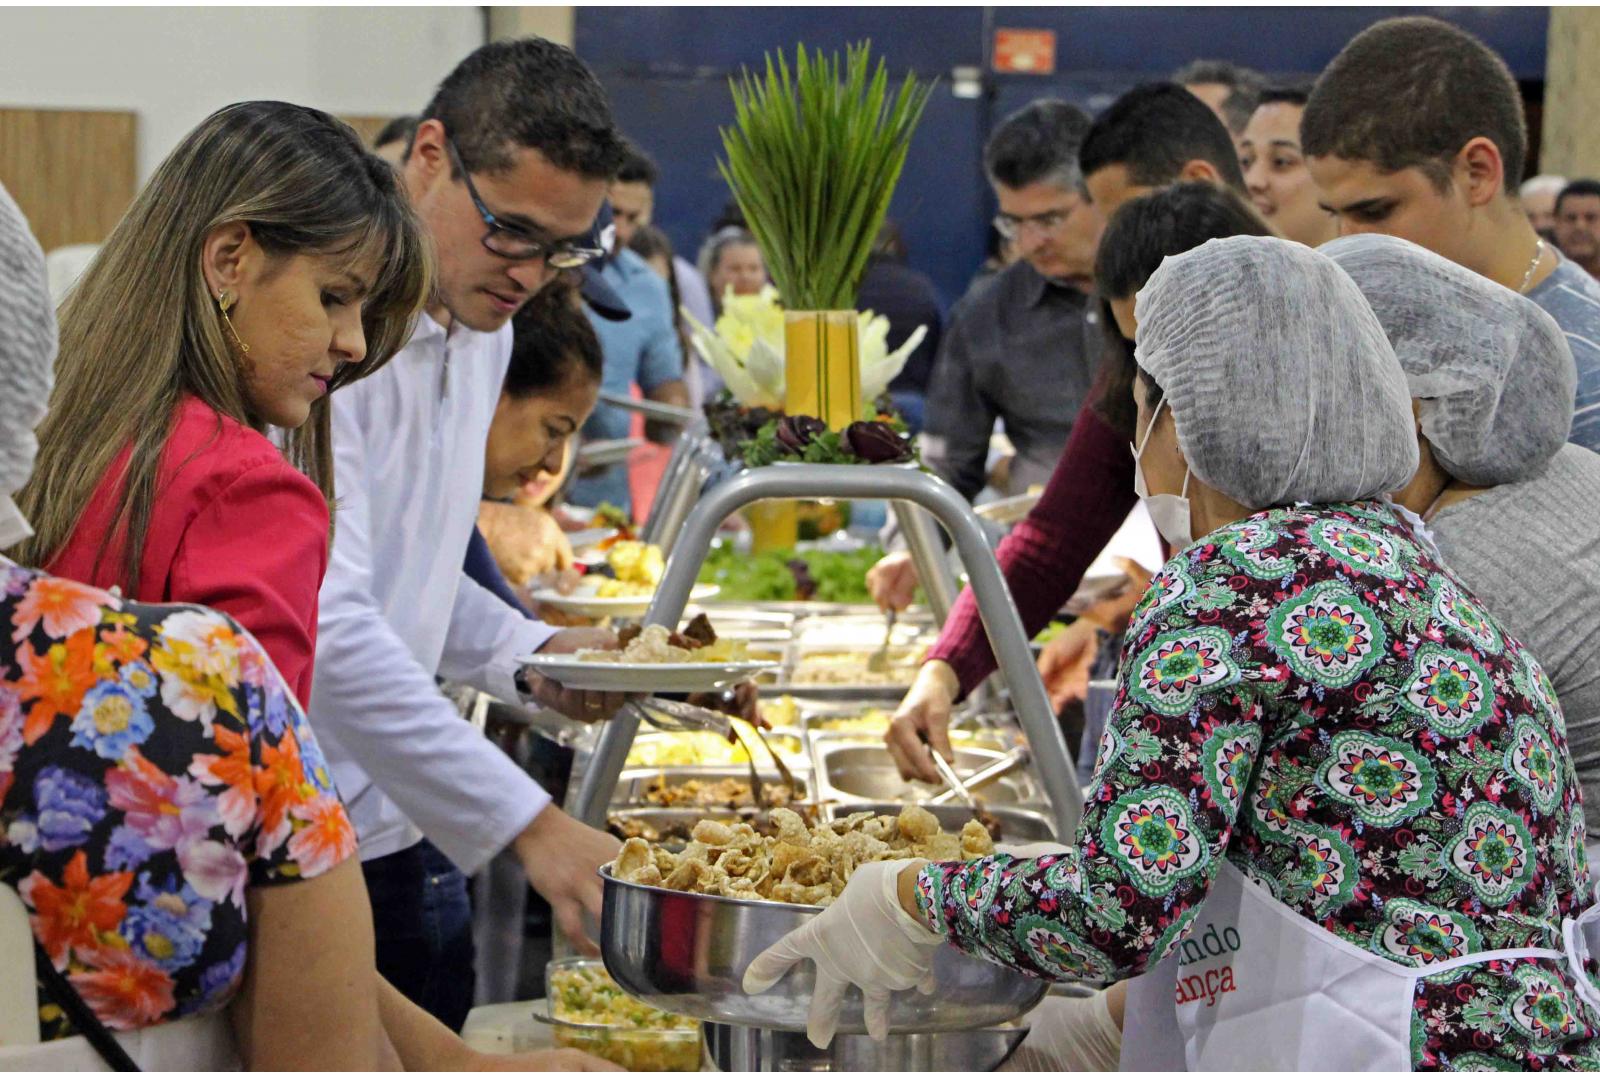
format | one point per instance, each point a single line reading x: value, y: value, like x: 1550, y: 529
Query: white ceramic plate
x: 643, y: 678
x: 585, y: 539
x: 583, y: 601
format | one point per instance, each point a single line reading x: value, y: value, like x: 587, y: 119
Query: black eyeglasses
x: 510, y: 242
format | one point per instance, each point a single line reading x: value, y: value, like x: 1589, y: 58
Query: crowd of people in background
x: 350, y: 387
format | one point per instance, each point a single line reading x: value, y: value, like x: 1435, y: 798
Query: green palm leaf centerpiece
x: 813, y: 159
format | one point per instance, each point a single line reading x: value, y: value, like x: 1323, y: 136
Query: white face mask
x: 1169, y: 512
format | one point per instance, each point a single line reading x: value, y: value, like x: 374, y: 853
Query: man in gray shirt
x: 1023, y: 344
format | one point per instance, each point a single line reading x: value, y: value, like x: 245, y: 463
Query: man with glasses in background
x: 507, y: 170
x: 1022, y: 345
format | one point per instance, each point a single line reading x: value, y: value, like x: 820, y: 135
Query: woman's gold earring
x: 226, y: 300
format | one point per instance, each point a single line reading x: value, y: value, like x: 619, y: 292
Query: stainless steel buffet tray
x: 848, y: 770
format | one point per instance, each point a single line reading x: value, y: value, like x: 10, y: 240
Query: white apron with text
x: 1269, y: 989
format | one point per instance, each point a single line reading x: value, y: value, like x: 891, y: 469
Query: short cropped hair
x: 1292, y: 94
x: 1153, y: 130
x: 1410, y: 93
x: 1244, y: 87
x: 1577, y: 187
x: 1037, y: 142
x: 527, y: 94
x: 1168, y: 221
x: 637, y: 167
x: 552, y: 342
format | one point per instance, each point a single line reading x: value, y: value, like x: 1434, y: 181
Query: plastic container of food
x: 587, y: 1011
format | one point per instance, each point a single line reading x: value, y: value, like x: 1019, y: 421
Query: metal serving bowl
x: 734, y: 1049
x: 686, y: 954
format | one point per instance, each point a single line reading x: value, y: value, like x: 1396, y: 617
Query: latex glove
x: 1069, y: 1034
x: 923, y: 720
x: 892, y: 581
x: 866, y: 939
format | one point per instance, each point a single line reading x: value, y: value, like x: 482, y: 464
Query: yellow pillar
x: 553, y: 23
x: 1571, y: 141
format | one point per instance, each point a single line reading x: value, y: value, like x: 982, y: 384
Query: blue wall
x: 666, y: 70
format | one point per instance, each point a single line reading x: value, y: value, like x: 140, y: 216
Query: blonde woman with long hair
x: 269, y: 261
x: 175, y: 865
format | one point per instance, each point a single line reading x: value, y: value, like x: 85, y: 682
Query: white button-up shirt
x: 396, y: 608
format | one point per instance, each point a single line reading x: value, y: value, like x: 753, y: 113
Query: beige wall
x: 1571, y: 144
x: 554, y: 23
x: 172, y: 66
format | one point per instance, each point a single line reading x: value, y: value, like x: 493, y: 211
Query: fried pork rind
x: 917, y: 824
x: 794, y: 863
x: 634, y: 857
x: 975, y: 840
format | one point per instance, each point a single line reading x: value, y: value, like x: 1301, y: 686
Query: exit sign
x: 1025, y: 52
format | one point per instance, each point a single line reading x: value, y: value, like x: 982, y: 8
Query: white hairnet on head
x: 1280, y: 380
x: 27, y: 358
x: 1492, y: 371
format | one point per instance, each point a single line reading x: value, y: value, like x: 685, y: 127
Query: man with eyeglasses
x: 507, y: 170
x: 1022, y: 346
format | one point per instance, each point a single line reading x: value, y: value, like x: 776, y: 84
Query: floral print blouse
x: 153, y: 765
x: 1310, y: 695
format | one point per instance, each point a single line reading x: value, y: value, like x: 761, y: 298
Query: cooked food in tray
x: 697, y: 643
x: 728, y: 793
x: 801, y: 864
x: 583, y: 993
x: 850, y: 669
x: 707, y: 748
x: 589, y: 1011
x: 678, y: 831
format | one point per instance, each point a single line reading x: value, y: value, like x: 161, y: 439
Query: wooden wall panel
x: 73, y: 172
x: 1571, y: 145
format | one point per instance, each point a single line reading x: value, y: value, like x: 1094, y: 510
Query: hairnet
x: 27, y: 353
x: 1492, y: 371
x: 1280, y: 380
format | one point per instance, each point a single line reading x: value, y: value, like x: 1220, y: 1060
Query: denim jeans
x: 422, y: 921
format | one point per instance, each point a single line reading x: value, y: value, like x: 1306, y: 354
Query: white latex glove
x: 1069, y: 1034
x: 866, y: 939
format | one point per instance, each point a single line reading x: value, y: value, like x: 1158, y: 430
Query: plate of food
x: 621, y: 585
x: 653, y: 659
x: 605, y: 597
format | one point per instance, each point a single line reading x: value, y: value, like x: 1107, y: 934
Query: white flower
x: 24, y: 834
x: 216, y: 871
x: 747, y: 349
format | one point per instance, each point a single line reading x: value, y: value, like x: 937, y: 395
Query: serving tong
x: 878, y: 662
x: 1013, y: 761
